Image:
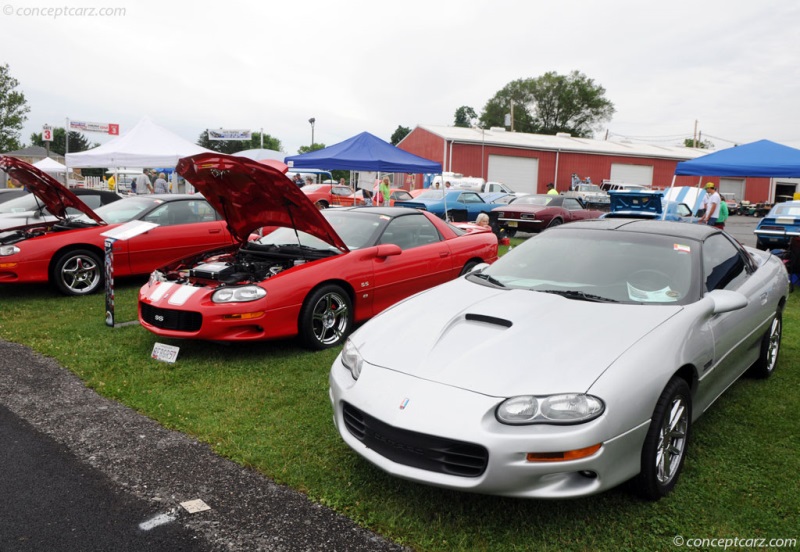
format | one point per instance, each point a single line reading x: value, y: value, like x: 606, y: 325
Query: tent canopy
x: 364, y: 152
x: 50, y: 165
x: 759, y: 159
x: 145, y: 145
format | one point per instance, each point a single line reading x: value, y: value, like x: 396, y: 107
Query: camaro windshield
x: 357, y: 230
x: 22, y: 204
x: 620, y: 266
x: 123, y: 210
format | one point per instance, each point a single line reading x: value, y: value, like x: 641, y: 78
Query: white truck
x: 475, y: 184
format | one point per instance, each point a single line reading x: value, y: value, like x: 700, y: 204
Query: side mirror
x: 388, y: 250
x: 727, y: 301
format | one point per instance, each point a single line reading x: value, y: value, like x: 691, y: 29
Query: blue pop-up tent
x: 759, y: 159
x: 364, y: 152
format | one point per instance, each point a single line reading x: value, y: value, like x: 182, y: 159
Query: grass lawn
x: 266, y: 406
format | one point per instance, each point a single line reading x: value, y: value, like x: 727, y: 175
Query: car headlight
x: 351, y: 358
x: 241, y: 294
x: 7, y: 250
x: 568, y: 408
x: 155, y: 277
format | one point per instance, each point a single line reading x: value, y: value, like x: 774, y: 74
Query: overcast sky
x: 353, y: 65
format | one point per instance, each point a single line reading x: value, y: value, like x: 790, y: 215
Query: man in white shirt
x: 711, y: 205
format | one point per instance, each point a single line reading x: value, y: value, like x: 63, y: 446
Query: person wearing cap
x: 711, y: 204
x: 551, y: 189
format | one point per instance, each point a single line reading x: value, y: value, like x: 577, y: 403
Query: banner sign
x: 47, y: 133
x: 106, y: 128
x: 229, y: 134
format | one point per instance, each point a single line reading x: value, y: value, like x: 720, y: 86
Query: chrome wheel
x: 78, y: 272
x: 665, y: 445
x: 672, y: 441
x: 770, y: 349
x: 326, y: 318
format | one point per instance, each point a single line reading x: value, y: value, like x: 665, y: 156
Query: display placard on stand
x: 123, y: 232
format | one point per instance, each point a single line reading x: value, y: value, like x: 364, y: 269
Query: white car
x: 577, y: 361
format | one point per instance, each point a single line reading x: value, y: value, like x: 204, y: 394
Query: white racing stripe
x: 182, y: 295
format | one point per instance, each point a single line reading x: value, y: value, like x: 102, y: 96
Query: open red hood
x: 52, y: 193
x: 251, y: 195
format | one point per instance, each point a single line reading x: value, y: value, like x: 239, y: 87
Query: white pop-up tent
x: 50, y: 165
x: 145, y: 145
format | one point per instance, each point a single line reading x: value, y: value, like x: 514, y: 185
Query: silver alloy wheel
x: 773, y: 345
x: 80, y: 274
x: 330, y: 318
x: 672, y: 441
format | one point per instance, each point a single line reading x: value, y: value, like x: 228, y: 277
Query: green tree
x: 13, y: 111
x: 312, y: 147
x: 464, y: 116
x: 232, y: 146
x: 77, y: 141
x: 399, y: 133
x: 549, y: 104
x: 702, y: 144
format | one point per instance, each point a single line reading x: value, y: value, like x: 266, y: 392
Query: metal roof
x: 562, y: 142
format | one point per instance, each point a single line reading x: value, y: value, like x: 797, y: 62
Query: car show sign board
x: 123, y: 232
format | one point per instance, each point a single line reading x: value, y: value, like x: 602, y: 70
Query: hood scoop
x: 488, y: 320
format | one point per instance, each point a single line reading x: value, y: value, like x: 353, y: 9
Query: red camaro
x: 314, y: 276
x: 534, y: 213
x: 69, y: 252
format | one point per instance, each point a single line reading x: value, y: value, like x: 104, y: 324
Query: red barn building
x: 528, y: 162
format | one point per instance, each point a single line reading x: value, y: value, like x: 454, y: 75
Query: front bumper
x: 419, y: 413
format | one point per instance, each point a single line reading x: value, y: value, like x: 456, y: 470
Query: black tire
x: 326, y: 318
x: 664, y: 449
x: 509, y: 232
x: 555, y: 222
x: 468, y: 267
x: 770, y: 349
x: 761, y: 245
x: 321, y: 204
x: 78, y: 272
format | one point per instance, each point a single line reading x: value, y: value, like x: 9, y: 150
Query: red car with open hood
x: 69, y: 252
x: 314, y: 276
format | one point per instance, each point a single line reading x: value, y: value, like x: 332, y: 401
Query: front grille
x: 168, y: 319
x: 418, y: 450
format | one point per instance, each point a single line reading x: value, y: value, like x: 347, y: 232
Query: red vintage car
x: 325, y: 195
x: 534, y: 213
x: 69, y: 252
x: 314, y: 276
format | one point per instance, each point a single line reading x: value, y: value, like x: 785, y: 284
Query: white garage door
x: 632, y: 174
x: 521, y: 174
x: 733, y: 186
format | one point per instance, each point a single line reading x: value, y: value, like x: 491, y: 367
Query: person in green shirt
x: 723, y: 214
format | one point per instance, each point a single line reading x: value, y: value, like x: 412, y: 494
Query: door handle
x: 215, y: 231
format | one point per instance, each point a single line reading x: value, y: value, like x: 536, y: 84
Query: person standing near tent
x: 711, y: 205
x: 723, y: 214
x: 112, y: 183
x: 385, y: 190
x: 161, y: 186
x: 142, y: 184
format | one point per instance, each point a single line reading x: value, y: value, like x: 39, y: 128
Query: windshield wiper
x: 491, y: 280
x: 579, y: 295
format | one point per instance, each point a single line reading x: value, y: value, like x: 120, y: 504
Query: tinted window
x: 410, y: 231
x: 723, y: 266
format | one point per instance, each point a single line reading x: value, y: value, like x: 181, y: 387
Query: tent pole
x: 672, y: 185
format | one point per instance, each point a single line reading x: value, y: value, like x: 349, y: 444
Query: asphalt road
x: 81, y: 472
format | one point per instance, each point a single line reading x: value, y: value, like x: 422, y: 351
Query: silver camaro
x: 577, y: 361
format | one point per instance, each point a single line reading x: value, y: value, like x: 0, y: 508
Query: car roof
x: 391, y: 212
x: 658, y: 227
